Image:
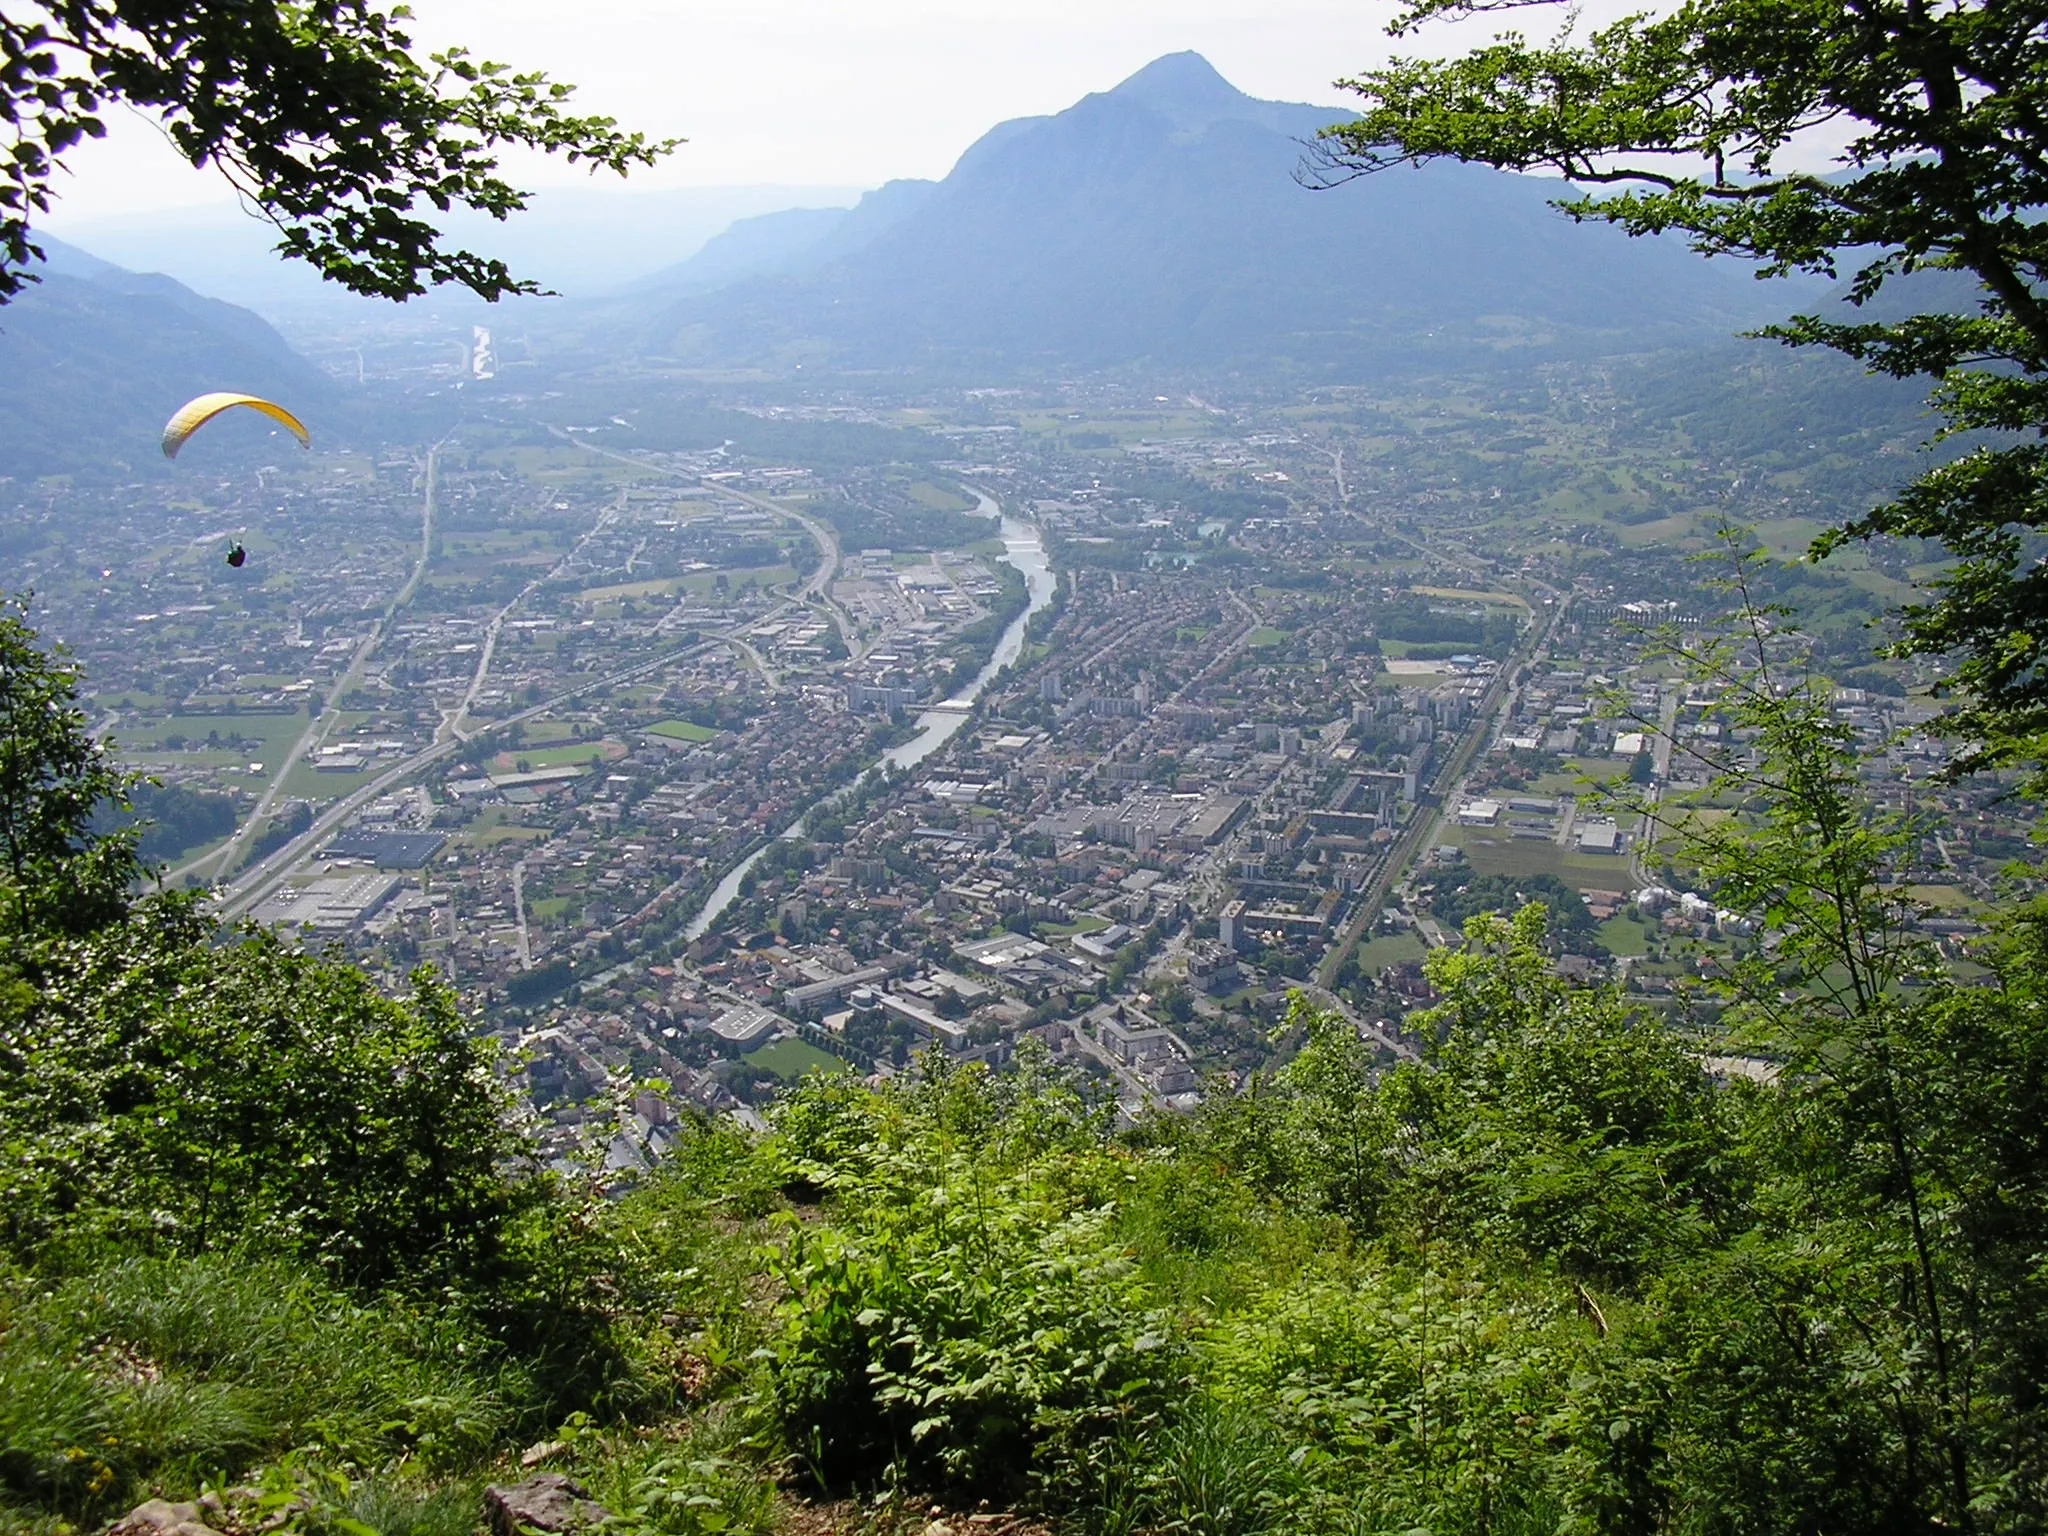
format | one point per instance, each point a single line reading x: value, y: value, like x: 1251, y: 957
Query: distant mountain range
x: 1161, y: 223
x: 94, y: 358
x: 1158, y: 225
x: 581, y: 241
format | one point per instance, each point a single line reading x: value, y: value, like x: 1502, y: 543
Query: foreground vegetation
x: 1556, y: 1279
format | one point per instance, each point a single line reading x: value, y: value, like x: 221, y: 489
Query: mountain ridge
x: 1161, y: 222
x: 92, y: 342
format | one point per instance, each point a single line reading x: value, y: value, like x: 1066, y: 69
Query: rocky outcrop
x: 159, y: 1517
x: 548, y: 1502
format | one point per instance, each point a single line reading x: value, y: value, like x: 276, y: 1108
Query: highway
x: 256, y: 883
x: 223, y: 859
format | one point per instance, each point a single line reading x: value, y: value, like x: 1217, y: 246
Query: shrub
x: 162, y: 1092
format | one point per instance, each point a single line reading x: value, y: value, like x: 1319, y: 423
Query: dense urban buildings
x: 1084, y: 715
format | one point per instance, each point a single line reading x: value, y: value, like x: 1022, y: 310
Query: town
x: 1104, y: 721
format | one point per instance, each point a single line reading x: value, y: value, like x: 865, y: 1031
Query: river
x: 1022, y: 549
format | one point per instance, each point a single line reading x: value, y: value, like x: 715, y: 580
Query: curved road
x: 817, y: 585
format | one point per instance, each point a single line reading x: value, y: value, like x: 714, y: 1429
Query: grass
x: 1623, y: 935
x: 939, y: 498
x: 1569, y: 782
x: 1266, y: 636
x: 682, y: 730
x: 629, y: 589
x: 158, y: 1374
x: 577, y: 753
x: 548, y: 733
x: 1399, y: 650
x: 1492, y: 599
x: 1496, y: 853
x: 138, y: 1377
x: 1376, y: 954
x: 489, y: 837
x: 790, y: 1058
x: 459, y: 545
x: 1942, y: 898
x: 309, y: 783
x: 701, y: 582
x: 1599, y: 769
x: 1218, y: 1470
x: 1665, y: 530
x: 197, y: 851
x: 1087, y: 922
x: 269, y: 736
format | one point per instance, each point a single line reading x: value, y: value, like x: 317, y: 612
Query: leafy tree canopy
x: 1461, y: 895
x: 316, y: 110
x: 1693, y: 117
x: 54, y: 776
x: 167, y: 1085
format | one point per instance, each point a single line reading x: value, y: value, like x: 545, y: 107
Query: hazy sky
x: 822, y: 92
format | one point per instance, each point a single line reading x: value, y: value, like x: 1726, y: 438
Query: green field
x: 1400, y: 650
x: 629, y: 589
x: 1949, y: 899
x: 1623, y: 935
x: 481, y: 835
x: 275, y: 733
x: 940, y: 498
x: 1665, y: 530
x: 568, y: 463
x: 1466, y: 594
x: 1087, y: 922
x: 1570, y: 782
x: 501, y: 542
x: 790, y: 1058
x: 1375, y: 955
x: 1601, y: 770
x: 309, y: 783
x: 578, y: 753
x: 682, y: 730
x: 549, y: 733
x: 761, y: 575
x: 1495, y: 853
x: 1266, y: 635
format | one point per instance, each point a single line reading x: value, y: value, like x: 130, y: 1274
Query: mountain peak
x: 1185, y: 88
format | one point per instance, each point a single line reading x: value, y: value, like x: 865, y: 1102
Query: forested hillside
x: 94, y: 358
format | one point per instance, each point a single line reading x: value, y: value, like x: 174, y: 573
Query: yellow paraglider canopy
x: 195, y: 414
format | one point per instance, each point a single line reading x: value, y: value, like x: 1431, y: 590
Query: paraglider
x: 194, y: 414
